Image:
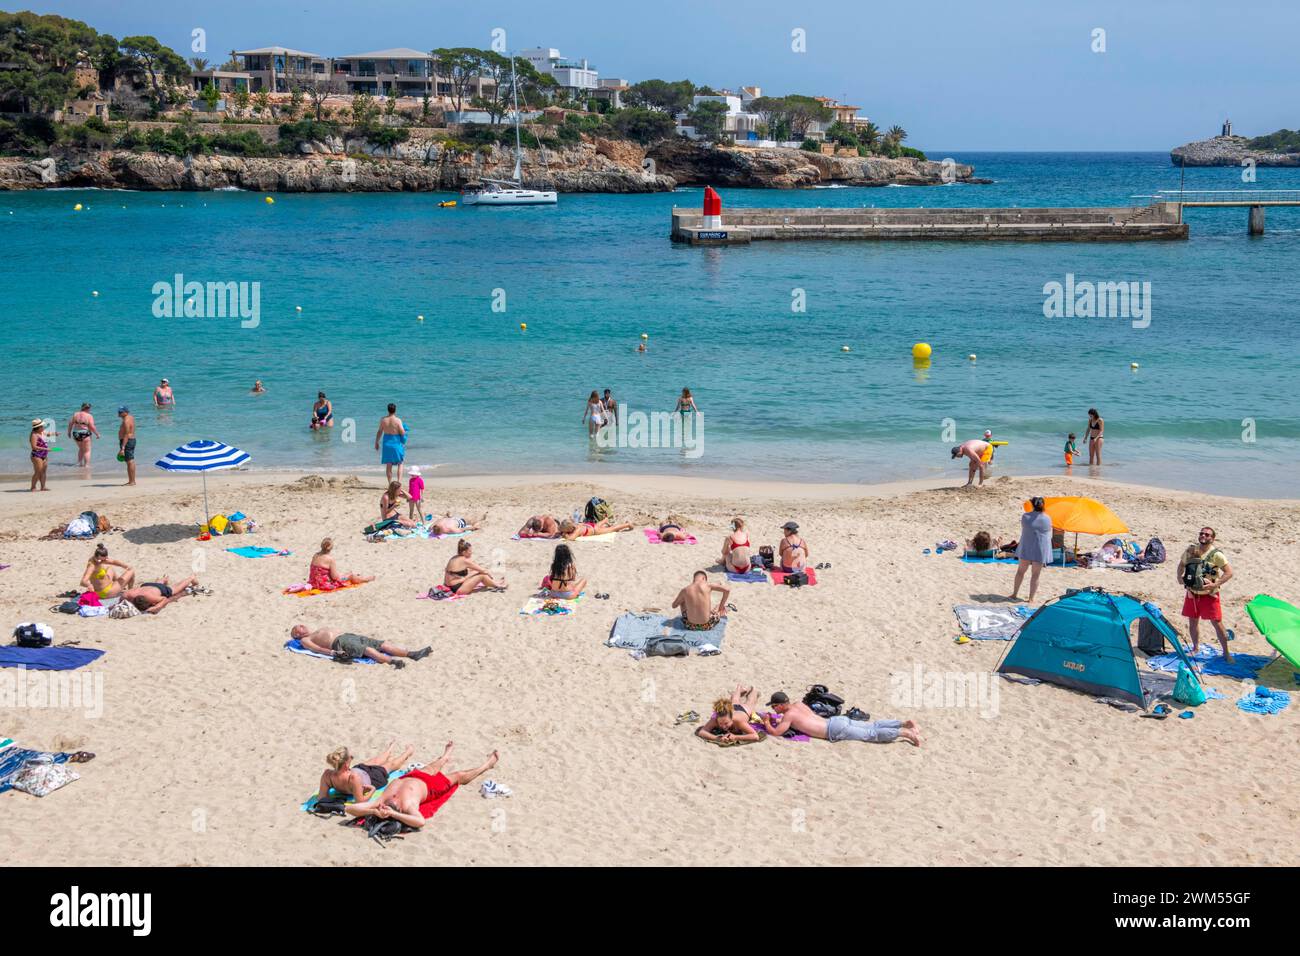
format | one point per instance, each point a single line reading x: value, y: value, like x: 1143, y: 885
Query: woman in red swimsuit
x: 323, y: 575
x: 736, y: 548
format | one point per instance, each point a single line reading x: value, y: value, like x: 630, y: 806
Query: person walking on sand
x: 975, y: 449
x: 40, y: 454
x: 1034, y: 549
x: 126, y: 442
x: 1202, y: 570
x: 81, y: 428
x: 392, y: 434
x: 1096, y: 436
x: 798, y: 716
x: 695, y: 600
x: 163, y: 396
x: 417, y: 795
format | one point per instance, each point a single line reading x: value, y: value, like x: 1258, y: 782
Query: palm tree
x: 869, y: 136
x: 198, y: 64
x: 897, y: 134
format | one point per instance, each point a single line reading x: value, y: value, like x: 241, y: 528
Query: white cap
x: 414, y: 470
x: 988, y: 433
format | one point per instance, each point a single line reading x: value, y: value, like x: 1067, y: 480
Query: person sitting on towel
x: 462, y: 575
x: 794, y: 549
x: 571, y: 530
x: 695, y: 602
x: 327, y: 641
x: 362, y: 779
x: 323, y: 573
x: 450, y: 525
x: 798, y: 716
x: 540, y: 526
x: 730, y: 721
x: 390, y: 505
x: 102, y: 579
x: 984, y: 545
x: 563, y: 581
x: 418, y: 794
x: 736, y: 549
x: 153, y: 597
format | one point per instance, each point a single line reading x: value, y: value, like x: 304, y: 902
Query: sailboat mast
x: 514, y: 92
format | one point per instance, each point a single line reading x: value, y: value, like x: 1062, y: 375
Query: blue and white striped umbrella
x: 203, y: 456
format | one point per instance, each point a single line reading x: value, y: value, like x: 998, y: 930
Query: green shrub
x: 811, y: 145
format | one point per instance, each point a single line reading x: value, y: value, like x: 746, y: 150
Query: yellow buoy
x: 523, y: 326
x: 971, y: 356
x: 644, y: 336
x: 1134, y: 366
x: 77, y: 208
x: 921, y: 350
x: 419, y: 318
x: 269, y: 201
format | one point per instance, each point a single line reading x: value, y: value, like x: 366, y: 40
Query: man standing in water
x: 81, y: 428
x: 392, y: 435
x: 126, y: 442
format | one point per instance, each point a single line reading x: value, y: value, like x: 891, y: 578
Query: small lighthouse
x: 712, y: 209
x: 1227, y: 128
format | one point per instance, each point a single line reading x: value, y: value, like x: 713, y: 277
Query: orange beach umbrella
x: 1082, y: 516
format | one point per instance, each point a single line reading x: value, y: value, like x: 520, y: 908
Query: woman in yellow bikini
x: 101, y: 579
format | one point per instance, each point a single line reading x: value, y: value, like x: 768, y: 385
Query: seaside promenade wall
x: 1057, y: 224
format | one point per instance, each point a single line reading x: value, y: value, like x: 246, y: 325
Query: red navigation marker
x: 712, y: 202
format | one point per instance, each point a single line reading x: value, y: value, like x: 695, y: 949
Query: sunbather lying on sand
x: 540, y: 526
x: 328, y: 641
x: 100, y: 577
x: 462, y: 575
x: 153, y: 597
x: 730, y: 721
x: 361, y: 779
x: 736, y: 550
x: 571, y: 531
x: 694, y: 600
x: 449, y: 525
x: 563, y: 581
x: 417, y: 795
x: 799, y: 716
x: 323, y: 573
x: 671, y: 531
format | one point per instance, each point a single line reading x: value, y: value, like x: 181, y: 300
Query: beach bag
x: 597, y: 510
x: 796, y: 579
x: 40, y: 778
x: 327, y: 807
x: 667, y: 647
x: 766, y: 555
x: 217, y: 524
x: 124, y: 609
x: 67, y: 607
x: 1154, y: 553
x: 822, y: 702
x: 1150, y: 639
x: 379, y: 526
x: 84, y: 525
x: 33, y: 635
x: 1198, y: 572
x: 1187, y: 689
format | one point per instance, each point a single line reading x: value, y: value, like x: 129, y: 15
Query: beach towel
x: 311, y: 801
x: 533, y: 537
x: 306, y: 590
x: 294, y: 645
x: 48, y: 658
x: 533, y: 606
x: 12, y: 760
x: 607, y: 537
x: 652, y: 535
x: 1264, y: 701
x: 445, y: 593
x: 969, y: 560
x: 257, y: 551
x: 634, y: 631
x: 990, y: 622
x: 778, y: 577
x: 1210, y: 660
x: 752, y: 576
x: 420, y: 533
x: 791, y: 734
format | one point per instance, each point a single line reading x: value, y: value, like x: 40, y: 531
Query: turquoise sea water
x: 590, y: 275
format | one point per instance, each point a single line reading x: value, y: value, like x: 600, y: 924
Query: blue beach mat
x: 48, y: 658
x: 257, y: 551
x: 13, y: 758
x: 1264, y: 701
x: 1210, y: 660
x: 295, y: 646
x: 752, y: 576
x: 635, y: 631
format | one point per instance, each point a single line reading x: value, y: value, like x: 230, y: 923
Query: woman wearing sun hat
x: 40, y: 452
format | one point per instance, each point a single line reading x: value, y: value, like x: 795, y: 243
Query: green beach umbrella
x: 1279, y: 622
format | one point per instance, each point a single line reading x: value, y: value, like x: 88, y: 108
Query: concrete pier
x: 1089, y: 224
x: 1255, y: 225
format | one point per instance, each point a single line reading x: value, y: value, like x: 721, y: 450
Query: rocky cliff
x: 693, y: 164
x: 425, y: 165
x: 1228, y: 151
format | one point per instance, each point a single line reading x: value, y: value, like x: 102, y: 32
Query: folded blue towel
x: 257, y: 551
x: 1264, y: 701
x: 48, y: 658
x: 752, y: 576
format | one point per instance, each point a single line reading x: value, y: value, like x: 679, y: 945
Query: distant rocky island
x: 1276, y: 149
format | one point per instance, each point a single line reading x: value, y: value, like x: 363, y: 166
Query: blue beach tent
x: 1082, y: 641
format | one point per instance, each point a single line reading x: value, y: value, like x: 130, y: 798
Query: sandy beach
x: 211, y: 734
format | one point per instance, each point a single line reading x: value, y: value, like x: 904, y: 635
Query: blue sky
x: 1006, y: 74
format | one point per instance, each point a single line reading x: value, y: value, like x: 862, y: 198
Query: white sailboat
x: 509, y: 192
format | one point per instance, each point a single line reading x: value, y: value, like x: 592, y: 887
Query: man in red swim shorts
x: 417, y: 795
x: 1202, y: 570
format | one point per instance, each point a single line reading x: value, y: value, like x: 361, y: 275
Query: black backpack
x: 1154, y: 552
x: 822, y: 702
x: 1198, y: 572
x: 33, y: 635
x: 598, y: 509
